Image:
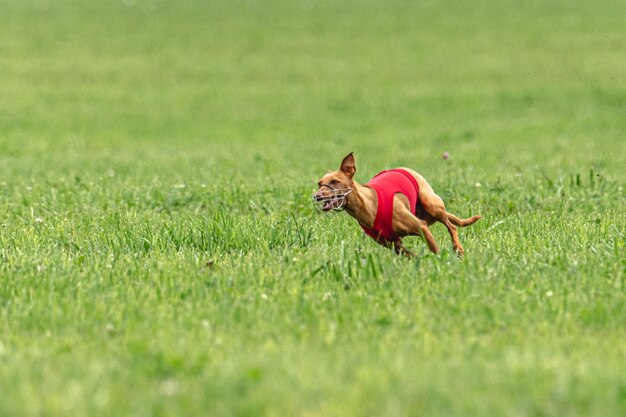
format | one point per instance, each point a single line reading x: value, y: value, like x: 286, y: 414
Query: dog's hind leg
x: 435, y: 207
x: 444, y: 217
x: 456, y: 243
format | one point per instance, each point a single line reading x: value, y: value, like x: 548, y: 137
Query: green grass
x: 159, y: 255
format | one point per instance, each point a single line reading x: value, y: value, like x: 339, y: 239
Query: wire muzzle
x: 333, y: 199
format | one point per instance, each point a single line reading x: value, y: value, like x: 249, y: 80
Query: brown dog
x: 338, y: 191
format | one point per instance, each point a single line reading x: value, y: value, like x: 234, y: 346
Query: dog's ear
x: 347, y: 165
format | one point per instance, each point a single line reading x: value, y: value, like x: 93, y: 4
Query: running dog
x: 395, y: 203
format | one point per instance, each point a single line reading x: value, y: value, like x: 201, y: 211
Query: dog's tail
x: 463, y: 222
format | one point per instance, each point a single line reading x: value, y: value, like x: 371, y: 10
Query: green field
x: 159, y: 255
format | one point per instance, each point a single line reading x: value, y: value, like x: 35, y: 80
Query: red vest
x: 387, y: 184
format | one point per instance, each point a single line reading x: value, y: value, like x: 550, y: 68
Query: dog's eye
x: 334, y: 182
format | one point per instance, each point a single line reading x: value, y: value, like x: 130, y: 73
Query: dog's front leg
x: 408, y: 224
x: 400, y: 249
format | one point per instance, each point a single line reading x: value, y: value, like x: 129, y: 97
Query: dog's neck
x: 362, y: 204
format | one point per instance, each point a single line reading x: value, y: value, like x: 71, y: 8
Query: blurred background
x: 290, y: 86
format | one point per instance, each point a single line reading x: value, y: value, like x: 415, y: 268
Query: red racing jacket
x: 387, y: 184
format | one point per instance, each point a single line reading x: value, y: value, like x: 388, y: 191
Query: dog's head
x: 335, y: 186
